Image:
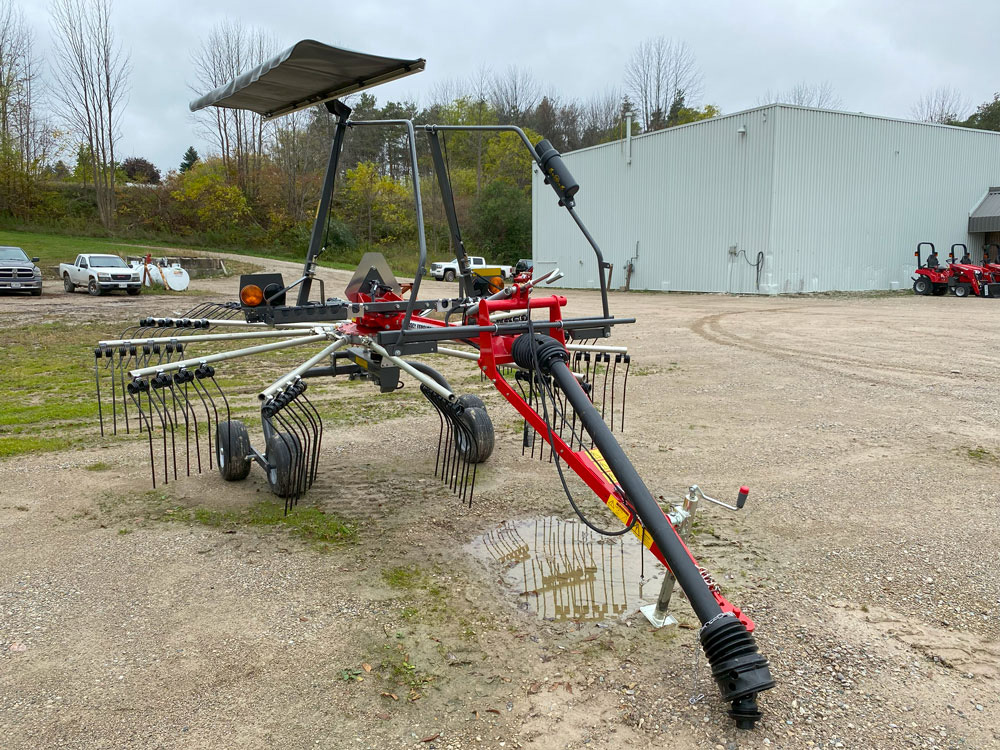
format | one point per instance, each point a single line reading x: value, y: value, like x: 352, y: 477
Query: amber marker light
x: 251, y: 295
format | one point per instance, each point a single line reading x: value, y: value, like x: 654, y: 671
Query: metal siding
x: 689, y: 194
x: 836, y: 201
x: 854, y: 195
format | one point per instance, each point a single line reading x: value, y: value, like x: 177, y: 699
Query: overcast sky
x: 879, y: 55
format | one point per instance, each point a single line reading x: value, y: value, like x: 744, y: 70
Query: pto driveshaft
x: 739, y: 670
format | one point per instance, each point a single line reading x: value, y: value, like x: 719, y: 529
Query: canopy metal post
x: 342, y: 111
x: 448, y: 199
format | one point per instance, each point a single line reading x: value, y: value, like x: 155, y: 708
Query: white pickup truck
x: 100, y: 274
x: 448, y: 271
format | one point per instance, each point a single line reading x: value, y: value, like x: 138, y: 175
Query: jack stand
x: 682, y: 517
x: 657, y: 613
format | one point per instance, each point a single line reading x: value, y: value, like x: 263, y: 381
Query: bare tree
x: 601, y: 118
x: 659, y: 73
x: 241, y: 137
x: 943, y: 105
x: 25, y: 138
x: 819, y: 95
x: 92, y: 72
x: 513, y: 94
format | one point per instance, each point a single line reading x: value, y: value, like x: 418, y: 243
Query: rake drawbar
x: 739, y: 670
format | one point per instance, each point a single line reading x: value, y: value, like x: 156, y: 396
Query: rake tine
x: 194, y: 420
x: 159, y: 383
x: 187, y: 437
x: 437, y: 458
x: 122, y: 351
x: 97, y: 383
x: 319, y: 435
x: 163, y: 427
x: 135, y: 389
x: 290, y: 438
x: 114, y: 394
x: 304, y: 449
x: 614, y: 373
x: 209, y: 421
x: 604, y: 392
x: 628, y: 362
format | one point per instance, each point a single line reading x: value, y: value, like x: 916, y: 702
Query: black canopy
x: 303, y: 75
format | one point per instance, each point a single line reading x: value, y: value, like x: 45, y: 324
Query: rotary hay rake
x: 160, y: 378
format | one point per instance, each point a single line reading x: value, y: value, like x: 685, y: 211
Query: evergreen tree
x: 190, y: 159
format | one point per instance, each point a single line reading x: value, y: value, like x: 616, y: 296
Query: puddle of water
x: 562, y: 570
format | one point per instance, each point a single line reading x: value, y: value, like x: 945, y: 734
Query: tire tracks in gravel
x: 711, y: 328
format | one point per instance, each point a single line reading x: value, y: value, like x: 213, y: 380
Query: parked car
x: 524, y: 265
x: 18, y: 272
x: 100, y: 274
x: 448, y: 271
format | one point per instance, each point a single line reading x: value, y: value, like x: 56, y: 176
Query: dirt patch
x: 863, y: 556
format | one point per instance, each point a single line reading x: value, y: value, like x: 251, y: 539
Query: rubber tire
x: 232, y: 448
x: 479, y: 424
x: 36, y: 292
x: 133, y: 291
x: 449, y: 275
x: 68, y: 286
x: 940, y: 290
x: 471, y: 401
x: 961, y: 290
x: 93, y: 289
x: 282, y: 455
x: 923, y: 286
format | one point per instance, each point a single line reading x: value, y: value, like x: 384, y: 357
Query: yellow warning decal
x: 623, y: 515
x: 361, y: 362
x: 597, y: 458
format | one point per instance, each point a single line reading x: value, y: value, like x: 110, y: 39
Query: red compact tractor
x: 931, y: 278
x: 968, y: 278
x: 962, y: 277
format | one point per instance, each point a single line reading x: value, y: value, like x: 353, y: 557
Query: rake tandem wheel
x: 568, y: 388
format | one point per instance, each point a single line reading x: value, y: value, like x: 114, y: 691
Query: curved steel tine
x: 318, y: 427
x: 143, y: 417
x: 606, y: 358
x: 304, y: 447
x: 163, y: 427
x: 628, y: 362
x: 169, y: 418
x: 97, y: 383
x: 187, y: 437
x: 194, y: 421
x: 209, y: 420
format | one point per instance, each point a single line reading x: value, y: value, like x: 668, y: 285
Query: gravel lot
x: 866, y: 427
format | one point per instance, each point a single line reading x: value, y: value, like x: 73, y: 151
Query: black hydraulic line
x: 316, y: 239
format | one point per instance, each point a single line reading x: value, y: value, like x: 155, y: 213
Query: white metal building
x: 833, y: 201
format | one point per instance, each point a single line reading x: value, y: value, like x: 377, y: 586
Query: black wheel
x: 480, y: 430
x: 232, y: 448
x: 93, y: 289
x: 283, y: 451
x: 471, y: 401
x: 922, y: 286
x: 449, y: 275
x: 68, y: 285
x: 36, y: 292
x: 961, y: 290
x: 133, y: 290
x: 940, y: 290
